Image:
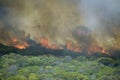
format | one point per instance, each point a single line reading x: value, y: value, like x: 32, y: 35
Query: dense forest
x: 48, y: 67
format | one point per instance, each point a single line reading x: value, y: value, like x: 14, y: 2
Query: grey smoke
x: 58, y: 19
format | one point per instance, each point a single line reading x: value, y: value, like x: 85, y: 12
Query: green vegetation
x: 47, y: 67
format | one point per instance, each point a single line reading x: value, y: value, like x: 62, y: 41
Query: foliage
x: 47, y: 67
x: 17, y: 77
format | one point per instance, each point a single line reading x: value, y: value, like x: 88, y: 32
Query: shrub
x: 73, y: 76
x: 33, y: 76
x: 18, y: 77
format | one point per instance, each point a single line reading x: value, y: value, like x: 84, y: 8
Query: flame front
x: 69, y: 46
x: 19, y: 44
x: 95, y: 48
x: 45, y: 43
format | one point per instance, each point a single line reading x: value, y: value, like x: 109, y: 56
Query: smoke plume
x: 81, y: 22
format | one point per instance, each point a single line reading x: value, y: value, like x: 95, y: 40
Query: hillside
x: 48, y: 67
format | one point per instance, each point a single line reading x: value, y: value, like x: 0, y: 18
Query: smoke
x: 61, y: 21
x: 103, y: 18
x: 42, y: 18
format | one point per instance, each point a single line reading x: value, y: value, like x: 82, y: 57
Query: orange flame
x: 22, y: 44
x: 18, y: 44
x: 45, y: 43
x: 95, y: 48
x: 92, y: 49
x: 70, y: 47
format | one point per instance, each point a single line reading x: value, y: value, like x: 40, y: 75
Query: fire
x: 70, y: 47
x: 14, y: 40
x: 22, y: 44
x: 92, y: 48
x: 19, y: 44
x: 95, y: 48
x: 45, y: 43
